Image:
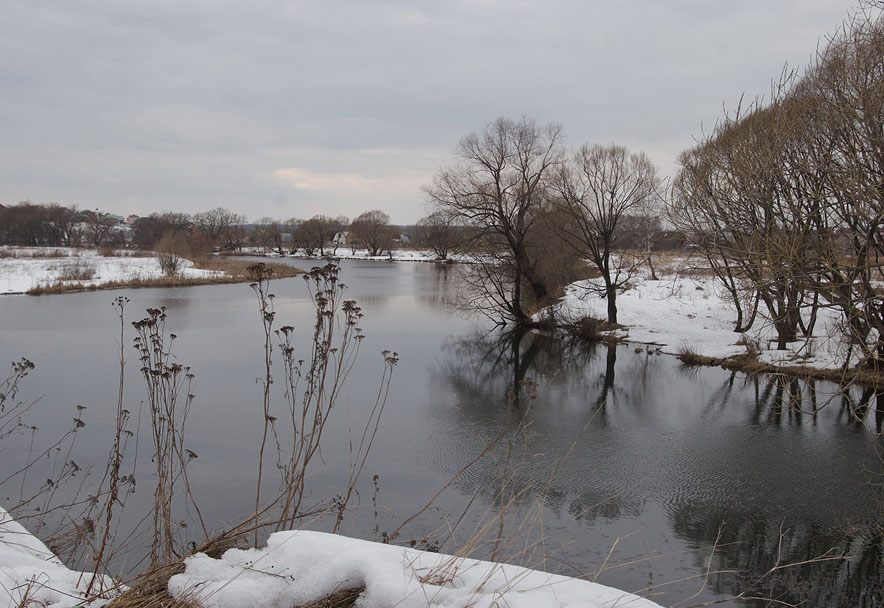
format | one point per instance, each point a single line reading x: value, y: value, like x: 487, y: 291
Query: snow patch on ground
x: 300, y: 566
x: 29, y: 571
x: 684, y: 312
x: 24, y: 268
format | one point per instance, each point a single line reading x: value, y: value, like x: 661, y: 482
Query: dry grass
x: 339, y: 599
x: 152, y: 591
x: 749, y: 363
x: 689, y: 356
x: 590, y: 328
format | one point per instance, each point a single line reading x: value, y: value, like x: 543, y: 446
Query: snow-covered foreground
x: 23, y: 268
x: 30, y: 575
x: 299, y: 567
x: 685, y: 312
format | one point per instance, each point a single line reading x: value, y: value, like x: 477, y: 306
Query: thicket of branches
x: 786, y: 198
x: 533, y: 212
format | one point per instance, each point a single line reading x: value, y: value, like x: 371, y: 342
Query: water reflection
x: 620, y: 444
x: 488, y: 370
x: 751, y: 554
x: 617, y: 433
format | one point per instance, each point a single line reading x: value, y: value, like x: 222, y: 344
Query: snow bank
x: 24, y: 268
x: 683, y: 312
x: 301, y: 566
x: 29, y: 571
x: 298, y: 567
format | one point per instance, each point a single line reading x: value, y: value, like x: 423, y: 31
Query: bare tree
x: 312, y: 236
x: 221, y: 225
x: 439, y: 232
x: 320, y: 230
x: 372, y: 229
x: 499, y: 188
x: 600, y: 186
x: 755, y: 195
x: 271, y: 235
x: 172, y: 250
x: 147, y: 231
x: 846, y: 88
x: 64, y: 225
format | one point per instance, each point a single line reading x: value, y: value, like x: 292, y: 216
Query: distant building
x: 342, y: 238
x: 112, y: 218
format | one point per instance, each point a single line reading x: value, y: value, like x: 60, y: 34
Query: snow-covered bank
x: 692, y: 313
x: 30, y: 575
x: 24, y: 268
x: 397, y: 255
x: 299, y: 567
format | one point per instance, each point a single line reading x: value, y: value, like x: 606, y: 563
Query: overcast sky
x: 293, y: 108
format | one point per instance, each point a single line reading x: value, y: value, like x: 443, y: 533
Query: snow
x: 692, y: 312
x: 24, y: 268
x: 297, y: 567
x: 29, y: 570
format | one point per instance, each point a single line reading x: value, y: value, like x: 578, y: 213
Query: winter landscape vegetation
x: 575, y: 381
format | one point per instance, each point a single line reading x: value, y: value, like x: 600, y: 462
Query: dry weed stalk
x: 59, y: 452
x: 165, y: 380
x: 312, y: 387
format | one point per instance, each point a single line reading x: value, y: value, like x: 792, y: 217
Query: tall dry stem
x: 165, y: 380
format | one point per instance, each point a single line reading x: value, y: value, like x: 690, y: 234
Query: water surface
x: 613, y: 462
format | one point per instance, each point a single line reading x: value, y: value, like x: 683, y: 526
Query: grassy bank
x: 752, y: 365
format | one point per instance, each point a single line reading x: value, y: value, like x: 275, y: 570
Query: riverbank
x: 687, y: 313
x: 42, y: 271
x: 300, y: 568
x: 342, y: 253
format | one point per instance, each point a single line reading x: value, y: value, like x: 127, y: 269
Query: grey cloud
x: 142, y: 101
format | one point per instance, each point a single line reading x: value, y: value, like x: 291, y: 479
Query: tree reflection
x: 615, y: 436
x: 801, y: 563
x: 487, y: 371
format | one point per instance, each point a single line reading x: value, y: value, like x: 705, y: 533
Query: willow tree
x: 847, y: 85
x: 752, y: 197
x: 596, y: 190
x: 499, y: 187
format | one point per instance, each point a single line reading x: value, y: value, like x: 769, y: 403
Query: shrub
x: 77, y: 271
x: 172, y: 249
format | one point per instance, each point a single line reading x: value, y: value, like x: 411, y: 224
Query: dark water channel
x: 629, y: 469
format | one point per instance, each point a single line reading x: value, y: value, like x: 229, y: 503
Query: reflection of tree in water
x: 780, y: 400
x: 494, y: 379
x: 748, y: 548
x: 434, y: 287
x: 487, y: 371
x: 591, y: 504
x: 616, y: 402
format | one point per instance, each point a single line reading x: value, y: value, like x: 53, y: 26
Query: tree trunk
x: 611, y: 296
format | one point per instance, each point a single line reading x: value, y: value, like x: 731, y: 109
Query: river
x: 687, y: 485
